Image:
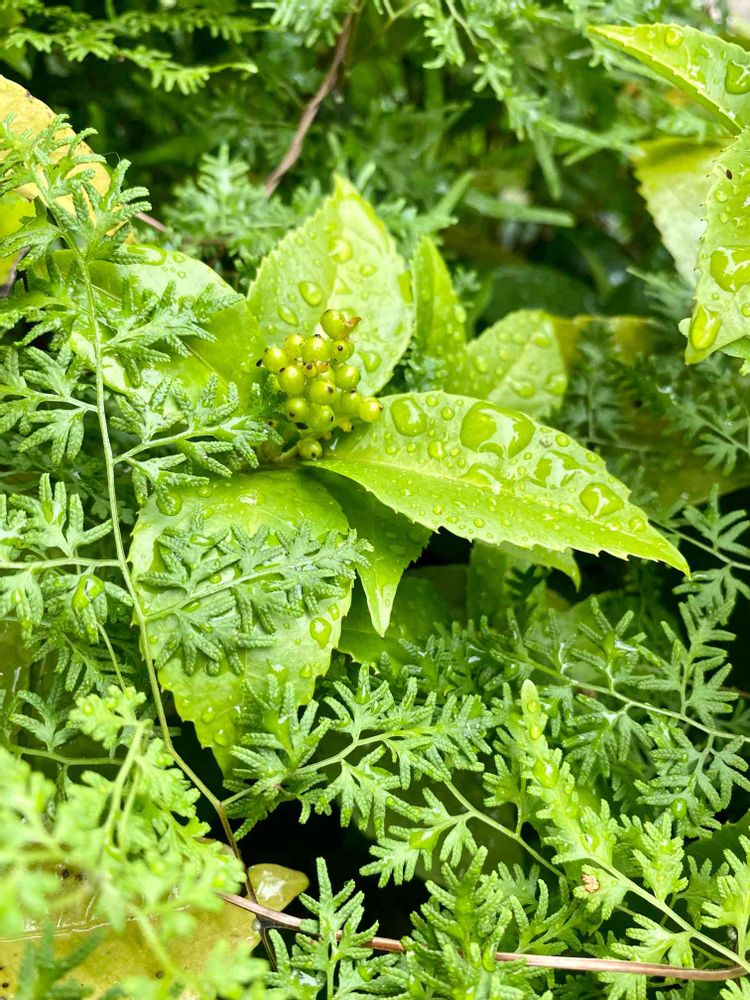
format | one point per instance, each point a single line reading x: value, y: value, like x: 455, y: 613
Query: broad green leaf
x: 343, y: 258
x: 439, y: 316
x: 417, y: 609
x: 13, y: 210
x: 121, y: 956
x: 721, y: 316
x: 396, y: 542
x: 237, y: 341
x: 713, y: 72
x: 675, y: 176
x: 482, y: 472
x: 299, y: 649
x: 518, y: 363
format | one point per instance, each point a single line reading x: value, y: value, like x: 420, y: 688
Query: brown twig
x: 149, y: 220
x: 311, y: 109
x: 570, y: 963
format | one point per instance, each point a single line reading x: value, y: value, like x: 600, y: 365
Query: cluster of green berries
x: 320, y: 384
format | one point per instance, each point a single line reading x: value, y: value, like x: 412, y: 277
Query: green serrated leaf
x: 712, y: 71
x: 342, y: 258
x: 396, y: 542
x: 722, y: 297
x: 439, y: 316
x: 453, y: 462
x: 675, y: 176
x: 297, y: 651
x: 235, y: 341
x: 518, y: 363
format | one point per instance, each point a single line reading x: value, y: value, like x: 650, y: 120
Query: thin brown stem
x: 311, y: 109
x: 569, y: 963
x: 149, y: 220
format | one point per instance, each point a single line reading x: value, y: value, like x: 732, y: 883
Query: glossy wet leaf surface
x: 712, y: 71
x: 236, y: 343
x: 439, y: 316
x: 496, y: 475
x: 517, y: 363
x: 396, y: 542
x: 341, y: 258
x: 120, y: 956
x: 722, y: 297
x: 297, y: 651
x: 675, y: 177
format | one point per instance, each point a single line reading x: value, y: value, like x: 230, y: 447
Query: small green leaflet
x: 396, y: 542
x: 482, y: 472
x: 438, y: 315
x: 235, y: 340
x: 722, y: 297
x: 675, y: 177
x: 713, y: 72
x: 297, y: 647
x: 517, y: 363
x: 344, y: 258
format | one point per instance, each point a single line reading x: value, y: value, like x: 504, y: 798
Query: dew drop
x: 525, y: 390
x: 737, y: 78
x: 673, y: 37
x: 287, y: 315
x: 310, y: 292
x: 208, y: 713
x: 340, y: 250
x: 599, y: 500
x: 408, y: 418
x: 370, y: 359
x: 438, y: 509
x: 367, y: 270
x: 447, y: 413
x: 556, y: 384
x: 479, y: 522
x: 704, y: 328
x: 169, y: 503
x: 222, y: 738
x: 730, y: 268
x: 320, y: 630
x: 436, y: 450
x: 485, y: 428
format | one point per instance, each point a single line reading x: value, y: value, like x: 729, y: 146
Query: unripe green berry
x: 316, y: 348
x: 311, y: 370
x: 292, y: 380
x: 369, y: 410
x: 346, y: 377
x: 293, y: 345
x: 350, y: 402
x: 334, y: 323
x: 297, y: 410
x: 341, y: 351
x: 322, y: 392
x: 310, y: 449
x: 274, y: 359
x: 322, y: 418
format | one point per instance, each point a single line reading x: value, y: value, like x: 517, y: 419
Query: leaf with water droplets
x: 483, y: 472
x: 721, y: 316
x: 396, y: 542
x: 518, y: 362
x: 675, y: 177
x: 342, y: 258
x: 236, y: 341
x: 298, y: 646
x: 439, y: 332
x: 712, y: 71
